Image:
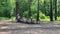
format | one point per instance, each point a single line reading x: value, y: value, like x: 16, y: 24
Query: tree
x: 51, y: 12
x: 4, y: 5
x: 55, y: 9
x: 17, y: 10
x: 44, y: 7
x: 38, y: 12
x: 29, y: 9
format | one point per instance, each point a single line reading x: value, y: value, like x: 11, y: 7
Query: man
x: 18, y: 18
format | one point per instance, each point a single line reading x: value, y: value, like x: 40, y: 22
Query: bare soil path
x: 10, y: 27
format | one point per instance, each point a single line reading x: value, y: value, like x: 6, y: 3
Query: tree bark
x: 38, y: 12
x: 17, y: 9
x: 51, y: 12
x: 44, y: 7
x: 55, y: 9
x: 29, y: 9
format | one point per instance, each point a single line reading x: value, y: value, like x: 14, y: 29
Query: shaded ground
x: 6, y: 27
x: 32, y: 31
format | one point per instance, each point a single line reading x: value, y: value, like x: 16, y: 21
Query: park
x: 29, y: 16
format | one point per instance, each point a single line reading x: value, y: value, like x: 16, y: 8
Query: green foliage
x: 25, y: 14
x: 4, y: 18
x: 8, y: 8
x: 42, y: 16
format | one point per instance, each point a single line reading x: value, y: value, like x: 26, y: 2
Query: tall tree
x: 29, y: 9
x: 45, y: 7
x: 29, y: 12
x: 17, y: 9
x: 51, y: 12
x: 55, y: 9
x: 38, y: 12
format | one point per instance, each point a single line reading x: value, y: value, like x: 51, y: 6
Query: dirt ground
x: 6, y: 27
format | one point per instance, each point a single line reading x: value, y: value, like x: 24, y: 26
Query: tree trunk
x: 29, y: 9
x: 38, y: 12
x: 55, y: 9
x: 44, y: 7
x: 29, y: 12
x: 17, y: 9
x: 51, y: 13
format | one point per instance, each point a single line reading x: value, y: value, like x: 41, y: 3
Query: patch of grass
x: 46, y: 18
x: 4, y: 18
x: 12, y: 18
x: 58, y: 18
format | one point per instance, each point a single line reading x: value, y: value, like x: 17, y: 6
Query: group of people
x: 19, y: 19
